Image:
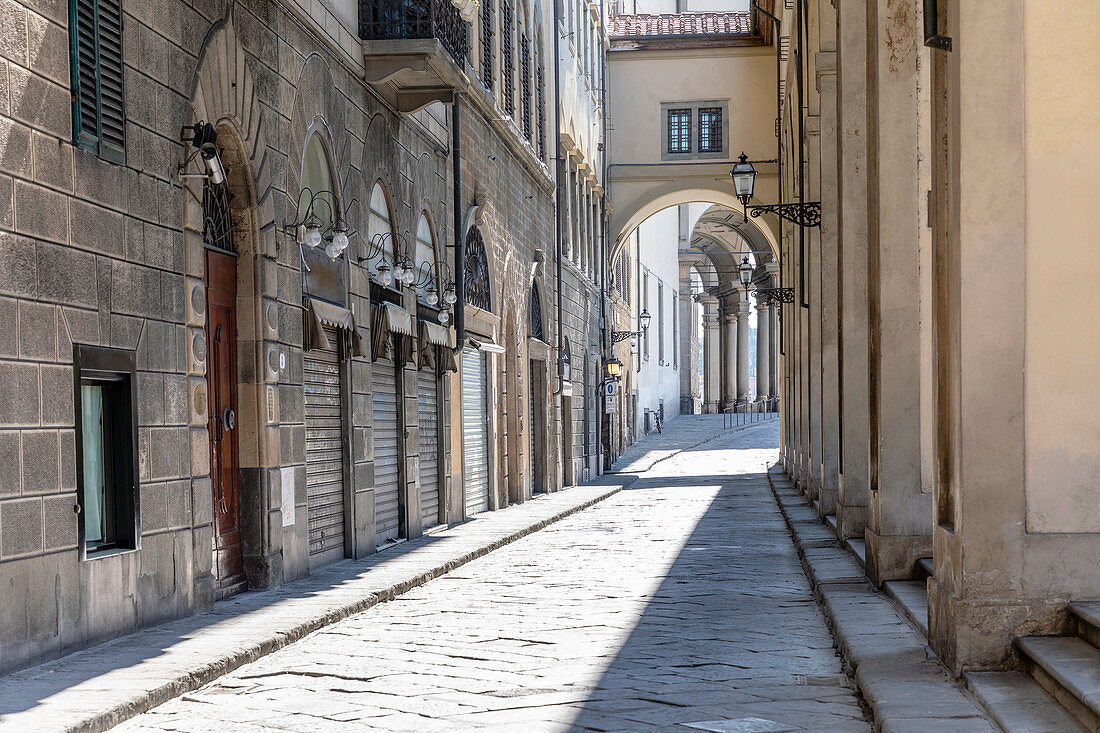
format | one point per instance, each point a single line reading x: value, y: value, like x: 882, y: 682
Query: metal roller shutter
x: 427, y: 403
x: 475, y: 431
x: 324, y: 452
x: 387, y: 474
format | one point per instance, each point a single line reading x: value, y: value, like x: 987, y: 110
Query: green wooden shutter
x: 99, y: 122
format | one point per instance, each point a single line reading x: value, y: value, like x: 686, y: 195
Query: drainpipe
x: 460, y: 240
x: 559, y: 175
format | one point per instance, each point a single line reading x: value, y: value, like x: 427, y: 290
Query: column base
x: 894, y: 558
x: 851, y: 520
x: 826, y: 502
x: 978, y: 634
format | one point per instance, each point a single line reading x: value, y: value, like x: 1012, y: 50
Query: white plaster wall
x: 1062, y: 342
x: 658, y: 236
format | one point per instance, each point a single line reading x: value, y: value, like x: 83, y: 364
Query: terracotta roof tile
x: 681, y: 24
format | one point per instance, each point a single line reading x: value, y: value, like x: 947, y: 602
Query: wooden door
x: 221, y: 373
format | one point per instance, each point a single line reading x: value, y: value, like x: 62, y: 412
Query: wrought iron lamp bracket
x: 617, y: 336
x: 767, y: 297
x: 803, y: 213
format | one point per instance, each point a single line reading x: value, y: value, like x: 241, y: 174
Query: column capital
x: 743, y: 310
x: 772, y: 267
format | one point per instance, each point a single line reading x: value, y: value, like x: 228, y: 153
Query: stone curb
x: 144, y: 700
x: 897, y: 675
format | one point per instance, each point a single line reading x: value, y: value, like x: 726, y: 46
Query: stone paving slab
x: 899, y: 677
x: 681, y: 433
x: 97, y: 688
x: 679, y: 604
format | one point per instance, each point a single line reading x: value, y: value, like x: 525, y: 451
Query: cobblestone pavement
x: 678, y: 604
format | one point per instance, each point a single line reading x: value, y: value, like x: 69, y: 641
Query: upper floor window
x: 695, y: 130
x: 95, y: 38
x: 487, y: 13
x: 710, y: 129
x: 380, y: 232
x: 679, y: 131
x: 506, y: 60
x: 427, y: 289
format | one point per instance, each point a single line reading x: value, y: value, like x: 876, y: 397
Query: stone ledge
x: 135, y: 673
x: 895, y: 672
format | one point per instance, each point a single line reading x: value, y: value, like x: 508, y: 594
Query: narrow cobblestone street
x: 677, y: 602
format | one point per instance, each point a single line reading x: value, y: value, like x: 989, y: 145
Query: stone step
x: 858, y: 548
x: 1085, y: 621
x: 924, y: 566
x: 830, y: 519
x: 912, y: 596
x: 1018, y: 704
x: 1068, y: 669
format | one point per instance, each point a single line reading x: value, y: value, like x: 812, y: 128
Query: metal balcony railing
x: 383, y: 20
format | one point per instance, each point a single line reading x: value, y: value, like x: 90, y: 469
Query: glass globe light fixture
x: 385, y: 276
x: 340, y: 238
x: 449, y: 295
x: 312, y: 237
x: 431, y: 297
x: 398, y: 271
x: 444, y: 317
x: 332, y: 250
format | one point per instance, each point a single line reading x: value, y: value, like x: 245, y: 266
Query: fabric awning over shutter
x: 435, y: 335
x: 318, y: 312
x: 388, y: 320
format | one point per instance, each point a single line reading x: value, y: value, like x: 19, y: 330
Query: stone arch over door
x: 224, y: 95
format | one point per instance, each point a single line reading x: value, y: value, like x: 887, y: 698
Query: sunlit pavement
x: 678, y: 604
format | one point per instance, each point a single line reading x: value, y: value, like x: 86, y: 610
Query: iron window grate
x: 525, y: 84
x: 540, y: 90
x: 506, y: 72
x: 487, y: 10
x: 679, y: 131
x: 710, y: 129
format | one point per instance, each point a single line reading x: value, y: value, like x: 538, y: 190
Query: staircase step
x: 912, y: 596
x: 1018, y: 704
x: 1068, y: 668
x: 1086, y: 621
x: 924, y: 565
x: 858, y: 548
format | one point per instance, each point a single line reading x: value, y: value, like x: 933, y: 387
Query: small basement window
x: 106, y: 449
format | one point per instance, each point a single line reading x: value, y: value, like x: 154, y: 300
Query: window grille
x: 487, y: 11
x: 95, y: 36
x: 536, y: 315
x: 506, y: 74
x: 217, y: 227
x: 475, y: 275
x: 525, y: 83
x: 710, y: 130
x: 679, y: 131
x: 540, y: 90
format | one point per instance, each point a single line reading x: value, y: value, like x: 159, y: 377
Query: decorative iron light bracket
x: 803, y: 213
x: 617, y: 336
x: 767, y: 297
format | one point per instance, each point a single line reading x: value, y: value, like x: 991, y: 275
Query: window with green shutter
x: 95, y: 29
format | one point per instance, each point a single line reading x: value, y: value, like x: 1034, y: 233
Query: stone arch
x: 223, y: 93
x: 631, y: 211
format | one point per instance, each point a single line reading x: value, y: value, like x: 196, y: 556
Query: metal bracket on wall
x: 766, y: 297
x: 804, y: 213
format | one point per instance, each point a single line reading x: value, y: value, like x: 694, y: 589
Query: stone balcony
x: 414, y: 51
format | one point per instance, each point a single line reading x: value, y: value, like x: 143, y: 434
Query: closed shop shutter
x: 428, y: 414
x: 387, y: 474
x: 324, y: 452
x: 475, y: 431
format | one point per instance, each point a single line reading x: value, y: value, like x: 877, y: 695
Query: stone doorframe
x: 224, y: 95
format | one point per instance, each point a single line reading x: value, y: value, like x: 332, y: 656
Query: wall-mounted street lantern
x: 803, y: 213
x: 203, y: 137
x: 765, y: 297
x: 436, y: 275
x: 315, y: 208
x: 614, y: 368
x: 643, y: 322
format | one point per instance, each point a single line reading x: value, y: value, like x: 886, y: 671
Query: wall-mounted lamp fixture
x: 803, y: 213
x: 203, y: 137
x: 643, y: 322
x: 614, y: 368
x: 309, y: 227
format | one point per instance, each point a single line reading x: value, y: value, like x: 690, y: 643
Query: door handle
x: 229, y: 419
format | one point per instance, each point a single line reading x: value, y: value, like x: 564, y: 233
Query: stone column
x: 763, y: 352
x: 730, y: 363
x: 899, y: 530
x: 772, y: 269
x: 711, y: 356
x: 684, y: 337
x: 742, y: 316
x: 854, y: 487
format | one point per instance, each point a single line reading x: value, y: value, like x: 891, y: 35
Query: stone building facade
x: 213, y: 378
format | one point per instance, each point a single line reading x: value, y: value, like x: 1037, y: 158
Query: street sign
x: 611, y: 405
x: 610, y: 389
